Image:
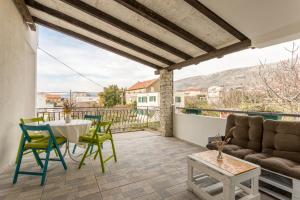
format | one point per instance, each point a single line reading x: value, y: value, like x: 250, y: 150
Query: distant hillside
x: 246, y: 77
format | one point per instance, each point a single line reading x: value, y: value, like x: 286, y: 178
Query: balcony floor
x: 149, y: 167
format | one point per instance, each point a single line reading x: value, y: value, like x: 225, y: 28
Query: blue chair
x: 95, y: 119
x: 47, y: 143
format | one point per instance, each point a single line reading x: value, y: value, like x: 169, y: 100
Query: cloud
x: 108, y: 68
x: 246, y: 58
x: 97, y: 64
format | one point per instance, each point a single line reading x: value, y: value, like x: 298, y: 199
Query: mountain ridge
x: 247, y: 77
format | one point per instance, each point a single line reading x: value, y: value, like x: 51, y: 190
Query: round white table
x: 71, y: 131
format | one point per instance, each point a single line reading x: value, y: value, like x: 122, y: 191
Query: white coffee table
x: 211, y: 179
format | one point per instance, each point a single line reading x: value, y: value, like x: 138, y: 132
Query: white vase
x: 68, y: 118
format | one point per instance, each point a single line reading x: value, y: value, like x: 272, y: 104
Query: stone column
x: 166, y: 102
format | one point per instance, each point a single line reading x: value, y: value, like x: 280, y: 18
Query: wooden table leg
x: 228, y: 190
x: 190, y: 176
x: 254, y: 185
x: 296, y: 189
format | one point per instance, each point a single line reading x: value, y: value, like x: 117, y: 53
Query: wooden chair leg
x: 113, y: 149
x: 74, y: 148
x: 61, y: 157
x: 101, y: 158
x: 95, y: 156
x: 20, y: 147
x: 37, y: 158
x: 56, y: 153
x: 84, y: 156
x: 45, y: 166
x: 19, y: 156
x: 91, y: 151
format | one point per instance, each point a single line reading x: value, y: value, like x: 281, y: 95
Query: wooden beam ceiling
x: 99, y: 32
x: 125, y: 27
x: 216, y: 19
x: 94, y: 42
x: 20, y: 4
x: 214, y: 54
x: 165, y: 23
x: 148, y: 14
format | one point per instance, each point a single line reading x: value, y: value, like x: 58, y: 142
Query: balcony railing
x: 223, y: 113
x: 125, y: 119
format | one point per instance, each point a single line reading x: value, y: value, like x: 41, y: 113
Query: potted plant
x: 67, y: 108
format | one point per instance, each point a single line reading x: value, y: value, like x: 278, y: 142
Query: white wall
x: 196, y: 128
x: 180, y: 104
x: 17, y: 78
x: 148, y: 103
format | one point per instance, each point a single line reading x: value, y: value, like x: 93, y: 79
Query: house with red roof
x: 145, y: 93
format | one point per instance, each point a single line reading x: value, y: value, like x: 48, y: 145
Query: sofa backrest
x: 245, y: 131
x: 282, y: 139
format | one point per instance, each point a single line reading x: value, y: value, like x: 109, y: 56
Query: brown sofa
x: 274, y: 145
x: 280, y: 148
x: 245, y: 133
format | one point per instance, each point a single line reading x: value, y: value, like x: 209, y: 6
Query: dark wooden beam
x: 216, y: 19
x: 125, y: 27
x: 97, y: 31
x: 165, y: 23
x: 94, y: 42
x: 21, y: 6
x: 214, y: 54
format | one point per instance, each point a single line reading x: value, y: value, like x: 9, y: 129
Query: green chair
x: 94, y: 119
x: 98, y: 138
x: 47, y: 143
x: 33, y: 135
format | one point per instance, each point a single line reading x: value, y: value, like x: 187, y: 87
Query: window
x: 152, y: 98
x: 177, y: 99
x: 142, y: 100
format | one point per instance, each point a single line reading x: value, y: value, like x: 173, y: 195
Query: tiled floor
x: 149, y: 167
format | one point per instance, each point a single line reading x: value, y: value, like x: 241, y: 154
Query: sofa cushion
x: 245, y: 131
x: 282, y: 166
x: 257, y: 157
x: 237, y: 151
x: 233, y: 150
x: 241, y: 153
x: 231, y: 147
x: 282, y: 139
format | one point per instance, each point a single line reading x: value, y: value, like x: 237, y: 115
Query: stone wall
x: 166, y: 102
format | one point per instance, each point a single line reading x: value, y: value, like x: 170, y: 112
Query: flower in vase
x: 220, y: 143
x: 68, y: 106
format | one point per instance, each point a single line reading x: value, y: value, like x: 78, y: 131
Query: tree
x: 282, y: 82
x: 195, y: 102
x: 111, y: 96
x: 232, y: 98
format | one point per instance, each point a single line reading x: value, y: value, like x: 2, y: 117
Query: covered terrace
x: 163, y: 35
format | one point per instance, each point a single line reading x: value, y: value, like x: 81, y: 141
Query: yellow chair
x: 33, y: 135
x: 98, y: 138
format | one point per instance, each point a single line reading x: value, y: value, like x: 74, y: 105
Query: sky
x: 106, y: 68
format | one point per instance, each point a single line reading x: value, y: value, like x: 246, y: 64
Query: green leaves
x: 111, y: 96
